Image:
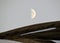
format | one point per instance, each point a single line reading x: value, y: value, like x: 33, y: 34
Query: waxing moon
x: 33, y: 13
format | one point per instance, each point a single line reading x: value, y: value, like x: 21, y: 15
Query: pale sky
x: 17, y: 13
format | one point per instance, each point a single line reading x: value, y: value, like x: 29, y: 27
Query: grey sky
x: 17, y: 13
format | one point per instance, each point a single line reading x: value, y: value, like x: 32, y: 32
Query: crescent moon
x: 33, y: 13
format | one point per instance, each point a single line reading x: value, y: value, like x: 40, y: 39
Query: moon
x: 33, y: 13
